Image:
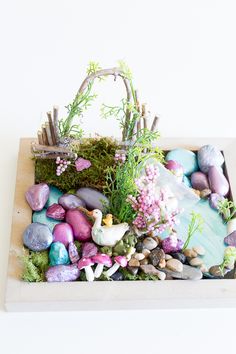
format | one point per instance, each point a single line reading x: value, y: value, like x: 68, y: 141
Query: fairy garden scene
x: 106, y: 209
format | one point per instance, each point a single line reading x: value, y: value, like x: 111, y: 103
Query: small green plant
x: 195, y: 225
x: 227, y: 209
x: 229, y: 258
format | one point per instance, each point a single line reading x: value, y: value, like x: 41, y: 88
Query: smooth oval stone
x: 54, y: 195
x: 230, y: 240
x: 214, y: 200
x: 37, y: 237
x: 186, y: 158
x: 93, y: 198
x: 63, y: 233
x: 231, y: 226
x: 156, y: 256
x: 187, y: 181
x: 188, y: 273
x: 58, y: 254
x: 149, y: 243
x: 55, y: 211
x: 41, y: 217
x: 180, y: 256
x: 73, y: 252
x: 89, y: 249
x: 217, y: 181
x: 208, y: 156
x: 81, y: 226
x: 60, y: 273
x: 71, y: 201
x: 199, y: 181
x: 37, y: 196
x: 175, y: 265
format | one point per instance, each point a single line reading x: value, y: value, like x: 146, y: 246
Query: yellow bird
x: 108, y: 221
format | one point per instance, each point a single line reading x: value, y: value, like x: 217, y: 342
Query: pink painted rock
x: 61, y: 273
x: 169, y: 246
x: 230, y: 240
x: 63, y: 233
x: 37, y: 196
x: 89, y: 249
x: 81, y: 226
x: 73, y: 252
x: 55, y: 211
x: 199, y: 181
x: 217, y: 181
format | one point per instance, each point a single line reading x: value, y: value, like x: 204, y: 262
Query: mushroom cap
x: 85, y: 262
x: 102, y: 258
x: 121, y: 260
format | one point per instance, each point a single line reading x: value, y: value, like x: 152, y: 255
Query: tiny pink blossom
x: 82, y: 164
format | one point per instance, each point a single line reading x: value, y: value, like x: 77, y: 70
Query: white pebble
x: 199, y: 250
x: 175, y: 265
x: 167, y: 257
x: 195, y: 262
x: 139, y: 256
x: 161, y: 275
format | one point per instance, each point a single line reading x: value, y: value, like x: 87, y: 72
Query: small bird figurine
x: 108, y: 220
x: 106, y: 235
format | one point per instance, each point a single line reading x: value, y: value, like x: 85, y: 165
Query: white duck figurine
x: 106, y: 235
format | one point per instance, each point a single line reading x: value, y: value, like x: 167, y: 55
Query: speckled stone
x: 73, y: 252
x: 56, y: 212
x: 54, y: 195
x: 62, y: 273
x: 41, y: 217
x: 186, y: 158
x: 37, y: 237
x: 156, y: 256
x: 58, y: 254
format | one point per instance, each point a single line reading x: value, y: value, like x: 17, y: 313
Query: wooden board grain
x: 21, y: 296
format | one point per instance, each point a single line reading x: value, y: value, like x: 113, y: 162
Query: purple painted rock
x: 199, y: 181
x: 73, y: 252
x: 169, y: 246
x: 93, y: 198
x: 230, y: 240
x: 89, y: 249
x: 208, y: 156
x: 71, y: 201
x: 217, y: 181
x: 61, y: 273
x: 81, y: 226
x: 55, y: 211
x: 214, y: 200
x: 37, y: 196
x: 63, y: 233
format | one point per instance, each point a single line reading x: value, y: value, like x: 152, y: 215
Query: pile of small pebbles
x: 194, y: 257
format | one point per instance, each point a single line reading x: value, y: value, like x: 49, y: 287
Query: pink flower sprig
x: 62, y: 165
x: 120, y: 156
x: 151, y: 204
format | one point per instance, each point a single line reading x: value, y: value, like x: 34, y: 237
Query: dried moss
x: 99, y: 151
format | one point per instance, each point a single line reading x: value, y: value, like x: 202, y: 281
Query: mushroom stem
x: 98, y: 270
x: 89, y: 273
x: 113, y: 269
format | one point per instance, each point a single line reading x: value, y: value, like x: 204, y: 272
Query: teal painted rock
x: 54, y: 195
x: 186, y: 158
x: 187, y: 181
x: 40, y: 216
x: 58, y: 254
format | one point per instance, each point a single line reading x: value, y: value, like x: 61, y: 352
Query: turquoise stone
x: 54, y: 195
x: 187, y: 182
x: 58, y: 254
x: 40, y: 216
x: 186, y: 158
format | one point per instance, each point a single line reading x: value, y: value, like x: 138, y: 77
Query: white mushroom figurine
x: 120, y: 261
x: 102, y: 260
x: 106, y: 235
x: 86, y: 263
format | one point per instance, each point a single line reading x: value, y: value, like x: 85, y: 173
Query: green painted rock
x: 40, y: 216
x: 54, y: 195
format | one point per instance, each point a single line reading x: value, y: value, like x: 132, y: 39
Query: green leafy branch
x: 227, y: 208
x: 195, y: 225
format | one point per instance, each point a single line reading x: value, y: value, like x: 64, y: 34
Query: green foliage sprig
x: 34, y: 265
x: 196, y: 224
x: 227, y: 209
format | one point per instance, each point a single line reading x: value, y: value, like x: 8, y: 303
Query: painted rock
x: 230, y: 240
x: 187, y: 181
x: 60, y: 273
x: 58, y: 254
x: 170, y: 246
x: 93, y: 198
x: 55, y: 211
x: 217, y: 181
x: 188, y: 273
x: 37, y: 237
x: 81, y: 226
x: 63, y: 233
x: 176, y: 169
x: 73, y: 252
x: 40, y: 216
x: 71, y: 201
x: 89, y: 249
x: 54, y: 195
x: 37, y: 196
x: 214, y: 200
x: 208, y: 156
x: 199, y: 181
x: 186, y: 158
x: 231, y: 226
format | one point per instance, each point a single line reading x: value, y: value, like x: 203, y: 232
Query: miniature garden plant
x: 195, y: 225
x: 227, y: 209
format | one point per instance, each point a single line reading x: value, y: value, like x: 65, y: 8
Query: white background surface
x: 183, y: 57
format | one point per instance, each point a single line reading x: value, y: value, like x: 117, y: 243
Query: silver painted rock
x: 37, y: 196
x: 63, y: 233
x: 199, y: 181
x: 41, y: 217
x: 71, y: 201
x: 54, y: 195
x: 37, y: 237
x: 208, y: 156
x: 81, y: 226
x: 230, y: 240
x: 217, y: 181
x: 62, y: 273
x: 93, y: 198
x: 56, y: 211
x: 188, y: 273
